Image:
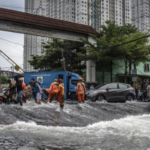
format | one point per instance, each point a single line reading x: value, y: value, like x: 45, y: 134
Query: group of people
x: 19, y: 87
x: 56, y: 91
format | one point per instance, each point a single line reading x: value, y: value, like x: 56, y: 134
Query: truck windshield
x: 74, y: 82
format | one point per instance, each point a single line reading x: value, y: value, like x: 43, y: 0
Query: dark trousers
x: 19, y: 97
x: 136, y: 93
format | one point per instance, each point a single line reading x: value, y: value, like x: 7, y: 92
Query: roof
x: 22, y: 17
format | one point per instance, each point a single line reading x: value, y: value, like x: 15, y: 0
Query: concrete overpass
x: 8, y: 73
x: 25, y: 23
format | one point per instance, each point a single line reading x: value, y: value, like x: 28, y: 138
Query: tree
x: 60, y: 55
x: 3, y: 79
x: 109, y: 47
x: 133, y: 53
x: 102, y: 52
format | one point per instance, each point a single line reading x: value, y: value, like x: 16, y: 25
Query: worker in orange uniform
x: 24, y: 90
x: 61, y: 93
x: 80, y: 91
x: 53, y: 91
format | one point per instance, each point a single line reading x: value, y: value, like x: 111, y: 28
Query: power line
x: 12, y: 42
x: 12, y: 46
x: 132, y: 40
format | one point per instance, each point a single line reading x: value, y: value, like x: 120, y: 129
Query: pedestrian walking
x: 37, y: 90
x: 29, y: 91
x: 24, y: 90
x: 80, y: 91
x: 148, y: 92
x: 61, y: 93
x: 11, y: 89
x: 19, y: 88
x: 92, y: 87
x: 53, y: 91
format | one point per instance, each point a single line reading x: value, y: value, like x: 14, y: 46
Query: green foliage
x: 109, y: 47
x: 3, y: 79
x: 53, y: 54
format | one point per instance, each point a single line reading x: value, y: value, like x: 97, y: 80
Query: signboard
x: 134, y: 72
x: 40, y: 79
x: 17, y: 67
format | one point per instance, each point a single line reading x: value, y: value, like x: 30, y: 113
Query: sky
x: 14, y: 51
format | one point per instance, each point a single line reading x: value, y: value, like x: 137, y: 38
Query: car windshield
x: 102, y: 86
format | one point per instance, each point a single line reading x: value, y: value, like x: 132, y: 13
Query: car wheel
x: 130, y: 97
x: 100, y: 98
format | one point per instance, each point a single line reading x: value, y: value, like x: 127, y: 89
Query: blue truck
x: 70, y: 80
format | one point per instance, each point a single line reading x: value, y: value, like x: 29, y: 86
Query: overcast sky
x: 14, y: 51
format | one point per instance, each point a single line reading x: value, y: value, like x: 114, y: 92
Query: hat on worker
x: 80, y: 79
x: 56, y: 80
x: 60, y: 80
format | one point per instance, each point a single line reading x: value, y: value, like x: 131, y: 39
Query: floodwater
x: 91, y: 126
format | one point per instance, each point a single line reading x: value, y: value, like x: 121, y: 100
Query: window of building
x: 146, y: 67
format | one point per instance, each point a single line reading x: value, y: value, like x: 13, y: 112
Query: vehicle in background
x: 70, y: 81
x: 113, y: 92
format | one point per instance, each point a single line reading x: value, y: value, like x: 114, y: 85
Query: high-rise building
x: 140, y: 14
x: 118, y: 11
x: 33, y: 44
x: 61, y: 9
x: 89, y: 12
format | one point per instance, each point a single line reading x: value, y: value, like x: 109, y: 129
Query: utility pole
x: 64, y: 63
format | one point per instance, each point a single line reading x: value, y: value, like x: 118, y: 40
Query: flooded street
x: 92, y: 126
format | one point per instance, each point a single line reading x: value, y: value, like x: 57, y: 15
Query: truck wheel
x: 73, y: 96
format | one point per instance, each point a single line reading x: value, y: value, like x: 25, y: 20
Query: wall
x: 118, y: 69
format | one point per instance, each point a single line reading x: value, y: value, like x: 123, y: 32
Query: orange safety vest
x: 54, y: 87
x: 24, y: 86
x: 81, y: 88
x: 61, y: 89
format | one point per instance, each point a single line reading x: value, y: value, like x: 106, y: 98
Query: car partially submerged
x: 112, y: 92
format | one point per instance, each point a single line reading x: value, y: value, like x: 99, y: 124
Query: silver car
x: 113, y: 92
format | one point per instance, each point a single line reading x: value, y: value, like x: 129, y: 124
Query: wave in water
x: 132, y: 125
x: 128, y: 133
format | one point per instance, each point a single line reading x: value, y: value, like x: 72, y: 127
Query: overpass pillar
x: 90, y: 67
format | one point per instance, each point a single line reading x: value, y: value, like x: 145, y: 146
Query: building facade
x: 33, y: 44
x: 118, y: 11
x: 140, y: 14
x: 88, y: 12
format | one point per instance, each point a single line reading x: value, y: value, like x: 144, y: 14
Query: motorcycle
x: 4, y: 96
x: 7, y: 97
